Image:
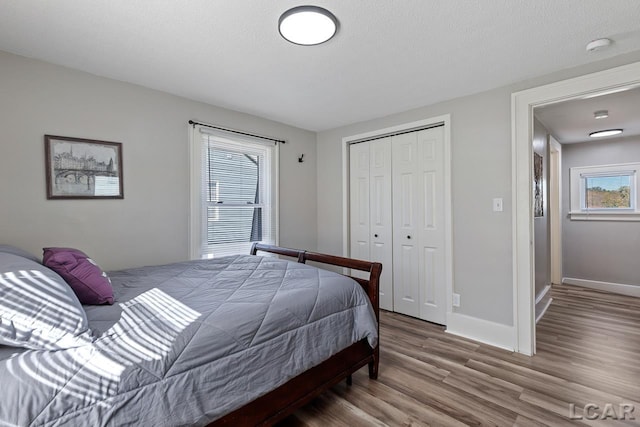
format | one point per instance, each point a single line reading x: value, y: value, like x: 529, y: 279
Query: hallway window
x: 606, y: 192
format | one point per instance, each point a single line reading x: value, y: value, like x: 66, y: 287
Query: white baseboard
x: 616, y: 288
x: 543, y: 310
x: 484, y: 331
x: 542, y: 294
x: 543, y: 301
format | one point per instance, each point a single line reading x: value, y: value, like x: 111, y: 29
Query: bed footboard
x: 371, y: 286
x: 284, y: 400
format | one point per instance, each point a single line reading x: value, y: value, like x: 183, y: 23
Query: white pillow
x: 38, y: 309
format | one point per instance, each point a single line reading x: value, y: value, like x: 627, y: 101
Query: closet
x: 396, y: 209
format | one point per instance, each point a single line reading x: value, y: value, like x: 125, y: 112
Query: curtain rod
x: 191, y: 122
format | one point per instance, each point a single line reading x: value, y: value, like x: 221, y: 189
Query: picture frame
x: 538, y: 191
x: 78, y: 168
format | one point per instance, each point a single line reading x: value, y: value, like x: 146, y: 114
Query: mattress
x: 187, y: 343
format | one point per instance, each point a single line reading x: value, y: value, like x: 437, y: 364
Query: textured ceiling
x: 388, y: 56
x: 573, y: 121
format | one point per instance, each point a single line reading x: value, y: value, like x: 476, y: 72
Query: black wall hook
x: 301, y: 158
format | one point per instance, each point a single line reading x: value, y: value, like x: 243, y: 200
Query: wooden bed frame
x: 297, y: 392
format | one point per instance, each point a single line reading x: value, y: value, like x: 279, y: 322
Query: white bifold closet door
x: 397, y: 218
x: 371, y: 210
x: 418, y: 224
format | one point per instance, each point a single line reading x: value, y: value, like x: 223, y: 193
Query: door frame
x: 555, y: 209
x: 444, y: 120
x: 522, y: 105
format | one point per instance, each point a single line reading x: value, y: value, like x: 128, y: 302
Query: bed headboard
x: 371, y: 286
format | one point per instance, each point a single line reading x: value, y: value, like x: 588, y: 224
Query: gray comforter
x: 187, y: 343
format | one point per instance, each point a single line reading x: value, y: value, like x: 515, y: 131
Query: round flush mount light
x: 608, y: 132
x: 598, y: 44
x: 307, y: 25
x: 601, y: 114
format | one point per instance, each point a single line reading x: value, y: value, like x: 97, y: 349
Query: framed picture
x: 538, y: 193
x: 83, y: 168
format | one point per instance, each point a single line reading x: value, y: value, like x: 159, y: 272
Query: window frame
x: 198, y: 206
x: 577, y: 180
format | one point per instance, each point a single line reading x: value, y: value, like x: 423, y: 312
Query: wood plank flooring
x: 588, y: 352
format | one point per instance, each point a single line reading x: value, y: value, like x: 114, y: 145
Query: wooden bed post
x: 374, y: 294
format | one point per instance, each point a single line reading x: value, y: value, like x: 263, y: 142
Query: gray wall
x: 605, y: 251
x: 150, y: 226
x: 481, y: 170
x: 541, y: 224
x: 481, y: 237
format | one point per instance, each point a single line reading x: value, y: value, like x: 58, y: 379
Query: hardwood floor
x: 588, y: 352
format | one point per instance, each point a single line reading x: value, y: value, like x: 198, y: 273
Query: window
x: 234, y: 182
x: 607, y: 192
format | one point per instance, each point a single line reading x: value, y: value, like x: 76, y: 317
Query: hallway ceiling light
x: 601, y: 114
x: 307, y: 25
x: 608, y: 132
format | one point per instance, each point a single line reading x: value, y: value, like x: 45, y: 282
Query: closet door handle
x: 375, y: 235
x: 408, y: 237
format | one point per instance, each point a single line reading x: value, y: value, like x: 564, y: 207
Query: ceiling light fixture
x: 307, y: 25
x: 601, y: 114
x: 608, y: 132
x: 598, y: 44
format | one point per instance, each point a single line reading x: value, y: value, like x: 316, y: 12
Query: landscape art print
x: 538, y: 194
x: 83, y: 168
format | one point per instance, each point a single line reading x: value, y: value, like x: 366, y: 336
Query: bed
x: 242, y: 340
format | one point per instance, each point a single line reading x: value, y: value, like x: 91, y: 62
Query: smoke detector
x: 598, y: 44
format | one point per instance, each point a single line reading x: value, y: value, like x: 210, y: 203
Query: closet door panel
x: 430, y: 165
x: 406, y: 258
x: 359, y: 183
x: 429, y: 292
x: 381, y: 216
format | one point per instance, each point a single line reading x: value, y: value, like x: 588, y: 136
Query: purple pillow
x: 90, y: 284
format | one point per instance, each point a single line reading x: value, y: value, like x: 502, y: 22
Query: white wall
x: 603, y: 251
x: 150, y: 225
x: 481, y: 170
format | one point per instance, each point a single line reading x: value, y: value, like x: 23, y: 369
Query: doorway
x: 523, y: 103
x: 555, y: 210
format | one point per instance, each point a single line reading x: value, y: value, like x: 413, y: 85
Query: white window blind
x: 238, y: 182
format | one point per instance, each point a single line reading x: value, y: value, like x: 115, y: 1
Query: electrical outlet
x: 456, y: 300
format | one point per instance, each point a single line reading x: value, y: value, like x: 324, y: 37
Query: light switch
x: 497, y: 205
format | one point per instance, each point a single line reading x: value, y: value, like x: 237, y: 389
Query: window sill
x: 604, y: 216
